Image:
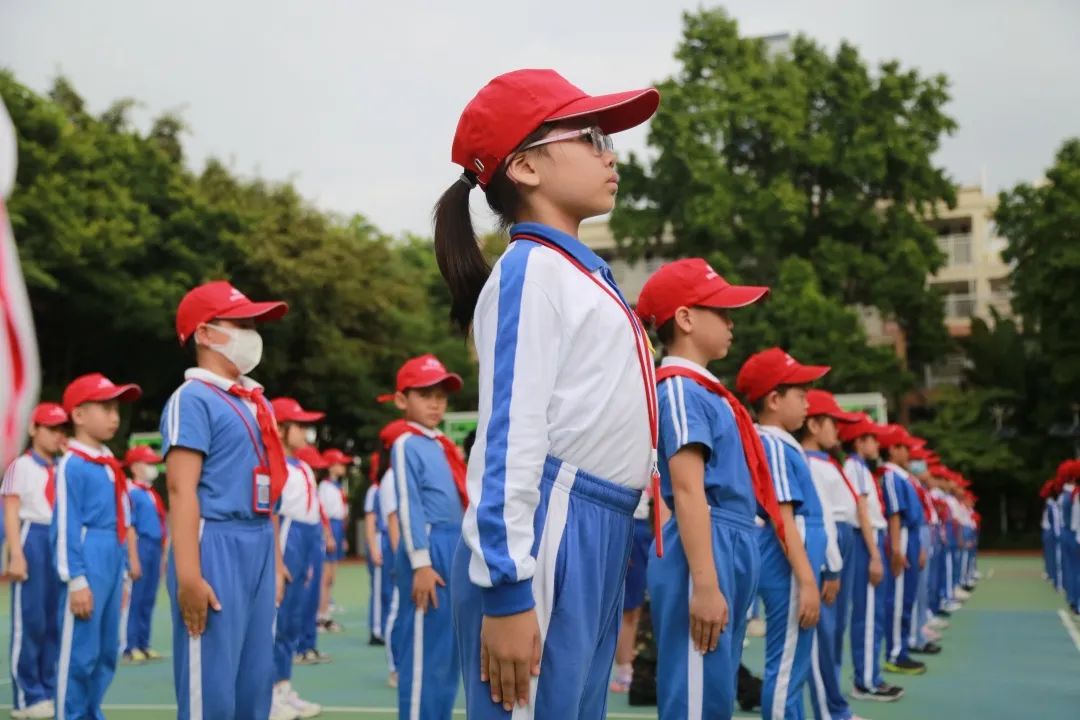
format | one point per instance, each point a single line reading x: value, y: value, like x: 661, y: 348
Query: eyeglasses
x: 601, y: 141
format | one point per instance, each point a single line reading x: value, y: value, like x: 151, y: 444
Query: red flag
x: 19, y: 376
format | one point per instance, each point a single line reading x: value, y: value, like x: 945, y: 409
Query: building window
x: 959, y: 298
x: 957, y: 248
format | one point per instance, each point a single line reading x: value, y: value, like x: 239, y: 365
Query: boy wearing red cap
x: 335, y: 503
x: 301, y: 538
x: 429, y: 475
x: 867, y: 596
x: 29, y: 490
x: 308, y: 652
x: 225, y: 469
x: 151, y: 528
x: 775, y: 384
x: 93, y: 543
x: 713, y: 476
x: 905, y: 513
x: 843, y: 515
x: 567, y: 396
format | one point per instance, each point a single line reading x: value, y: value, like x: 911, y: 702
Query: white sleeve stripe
x: 674, y: 413
x: 62, y: 568
x: 403, y: 493
x: 781, y: 458
x: 8, y: 486
x: 890, y: 488
x: 682, y: 411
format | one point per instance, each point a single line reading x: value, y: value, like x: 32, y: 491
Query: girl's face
x: 294, y: 436
x: 867, y: 447
x: 823, y: 429
x: 569, y: 177
x: 49, y: 440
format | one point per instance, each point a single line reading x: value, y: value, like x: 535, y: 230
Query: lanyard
x: 264, y: 461
x: 645, y: 363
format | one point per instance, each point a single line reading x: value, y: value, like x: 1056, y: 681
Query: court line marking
x: 1070, y: 628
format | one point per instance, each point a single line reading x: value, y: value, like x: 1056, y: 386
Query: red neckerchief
x: 924, y: 499
x: 458, y: 469
x: 50, y: 479
x: 760, y: 477
x: 268, y: 432
x: 119, y: 487
x: 159, y: 504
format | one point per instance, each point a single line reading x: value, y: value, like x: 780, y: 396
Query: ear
x: 772, y: 400
x: 399, y: 401
x: 684, y: 319
x: 522, y: 170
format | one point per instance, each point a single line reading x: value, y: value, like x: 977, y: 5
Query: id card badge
x: 261, y: 491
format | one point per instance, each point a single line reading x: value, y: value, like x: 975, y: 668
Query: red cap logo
x: 95, y: 387
x: 690, y: 283
x: 765, y: 371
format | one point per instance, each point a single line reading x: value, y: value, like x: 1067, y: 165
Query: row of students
x: 572, y: 426
x: 1061, y: 532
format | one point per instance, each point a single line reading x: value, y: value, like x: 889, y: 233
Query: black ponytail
x: 457, y: 249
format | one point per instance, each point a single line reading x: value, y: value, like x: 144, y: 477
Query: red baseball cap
x: 920, y: 452
x: 49, y: 414
x: 392, y: 431
x: 311, y: 456
x: 143, y: 454
x: 765, y: 371
x: 288, y: 410
x: 898, y: 435
x: 333, y: 456
x: 861, y: 427
x: 515, y: 104
x: 690, y: 282
x: 822, y: 402
x: 425, y: 371
x: 95, y: 387
x: 219, y: 300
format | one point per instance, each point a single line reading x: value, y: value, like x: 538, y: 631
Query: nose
x: 609, y: 159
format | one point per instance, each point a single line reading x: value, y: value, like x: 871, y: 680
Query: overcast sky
x: 356, y: 102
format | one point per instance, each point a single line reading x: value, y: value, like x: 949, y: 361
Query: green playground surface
x: 1011, y: 652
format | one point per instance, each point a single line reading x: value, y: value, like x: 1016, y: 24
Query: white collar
x: 897, y: 469
x: 93, y: 452
x: 428, y: 432
x: 782, y: 434
x: 197, y: 373
x: 676, y: 361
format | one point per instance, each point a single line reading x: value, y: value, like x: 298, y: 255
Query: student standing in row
x: 567, y: 426
x: 29, y: 490
x: 151, y: 529
x: 335, y: 503
x: 713, y: 476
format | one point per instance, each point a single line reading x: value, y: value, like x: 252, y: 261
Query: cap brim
x: 615, y: 112
x: 307, y: 416
x: 452, y: 381
x: 734, y: 296
x: 846, y: 417
x: 805, y: 374
x: 257, y: 311
x: 123, y: 393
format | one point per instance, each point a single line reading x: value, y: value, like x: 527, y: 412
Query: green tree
x: 761, y: 156
x: 113, y: 229
x: 1042, y: 224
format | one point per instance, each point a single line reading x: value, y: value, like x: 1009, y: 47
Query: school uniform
x: 636, y: 570
x: 1047, y: 526
x: 387, y: 505
x: 148, y: 518
x: 1070, y: 548
x: 429, y: 510
x: 788, y: 647
x: 564, y: 446
x: 839, y: 499
x: 87, y: 534
x: 691, y: 684
x: 309, y: 617
x: 376, y: 602
x: 939, y: 594
x: 901, y: 497
x: 920, y: 609
x: 300, y: 537
x: 867, y: 602
x: 335, y: 505
x: 35, y: 610
x: 227, y: 672
x: 952, y: 555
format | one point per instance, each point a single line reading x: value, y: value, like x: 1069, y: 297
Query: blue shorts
x: 639, y: 564
x: 337, y: 528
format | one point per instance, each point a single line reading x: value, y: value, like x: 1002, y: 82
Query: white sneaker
x: 392, y: 680
x: 755, y: 628
x: 303, y: 708
x: 43, y: 709
x: 953, y: 607
x: 938, y: 623
x: 961, y: 594
x: 279, y: 707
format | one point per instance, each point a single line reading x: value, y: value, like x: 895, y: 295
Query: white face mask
x: 244, y: 348
x: 150, y: 474
x: 311, y: 436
